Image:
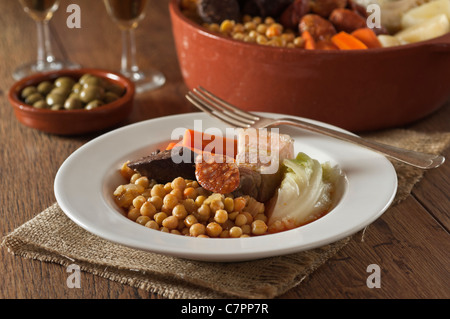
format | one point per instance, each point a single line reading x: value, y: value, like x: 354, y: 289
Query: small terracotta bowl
x: 358, y: 90
x: 72, y: 122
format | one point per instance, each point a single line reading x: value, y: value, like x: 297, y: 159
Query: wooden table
x: 412, y: 266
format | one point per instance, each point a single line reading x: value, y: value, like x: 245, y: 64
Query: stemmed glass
x: 41, y: 11
x: 127, y: 14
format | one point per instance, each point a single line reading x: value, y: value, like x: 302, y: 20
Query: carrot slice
x: 346, y: 41
x: 368, y: 37
x: 171, y: 145
x: 214, y: 144
x: 310, y: 43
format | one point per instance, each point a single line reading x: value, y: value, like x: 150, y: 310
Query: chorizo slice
x: 217, y: 173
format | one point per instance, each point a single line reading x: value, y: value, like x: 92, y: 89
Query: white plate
x: 86, y: 180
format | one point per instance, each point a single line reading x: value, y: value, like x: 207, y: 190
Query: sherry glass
x: 41, y: 11
x: 127, y: 14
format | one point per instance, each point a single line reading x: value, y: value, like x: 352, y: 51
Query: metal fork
x: 231, y: 115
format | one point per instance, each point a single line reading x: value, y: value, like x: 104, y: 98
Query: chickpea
x: 134, y: 178
x: 170, y: 201
x: 178, y: 183
x: 138, y: 201
x: 225, y: 233
x: 232, y: 216
x: 142, y: 220
x: 197, y: 229
x: 240, y: 220
x: 178, y: 193
x: 249, y: 26
x: 261, y: 216
x: 239, y: 203
x: 227, y: 26
x: 179, y: 211
x: 152, y: 224
x: 246, y: 229
x: 159, y: 217
x: 228, y: 204
x: 156, y: 201
x: 221, y: 216
x: 158, y: 190
x: 199, y: 200
x: 235, y: 232
x: 190, y: 192
x: 190, y: 220
x: 126, y: 172
x: 133, y: 214
x: 171, y: 222
x: 213, y: 229
x: 147, y: 209
x: 259, y: 227
x: 261, y: 28
x: 168, y: 187
x: 204, y: 212
x: 216, y: 204
x: 143, y: 181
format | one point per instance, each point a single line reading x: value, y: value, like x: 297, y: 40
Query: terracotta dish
x: 358, y: 90
x: 72, y: 122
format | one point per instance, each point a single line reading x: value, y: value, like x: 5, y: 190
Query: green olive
x: 76, y: 88
x: 45, y: 87
x: 54, y: 98
x: 84, y: 77
x: 93, y: 104
x: 92, y: 80
x: 41, y: 104
x: 57, y: 107
x: 64, y: 82
x: 60, y: 91
x: 73, y: 103
x: 33, y: 98
x: 27, y: 91
x: 91, y: 92
x: 74, y: 95
x: 115, y: 88
x: 110, y: 97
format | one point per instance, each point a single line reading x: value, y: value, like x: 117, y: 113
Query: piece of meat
x: 260, y: 154
x: 265, y: 8
x: 166, y: 165
x: 215, y: 11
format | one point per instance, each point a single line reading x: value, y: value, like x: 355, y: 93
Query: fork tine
x: 231, y: 107
x: 199, y: 103
x: 220, y: 108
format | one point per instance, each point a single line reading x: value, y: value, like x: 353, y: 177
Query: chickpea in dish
x: 322, y: 24
x: 66, y: 93
x: 230, y: 197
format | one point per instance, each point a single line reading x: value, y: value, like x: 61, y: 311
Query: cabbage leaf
x: 305, y: 193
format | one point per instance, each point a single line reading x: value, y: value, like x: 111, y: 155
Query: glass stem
x: 48, y: 45
x: 44, y: 50
x: 41, y: 45
x: 128, y: 62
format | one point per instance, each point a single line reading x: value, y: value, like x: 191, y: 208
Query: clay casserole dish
x: 358, y: 90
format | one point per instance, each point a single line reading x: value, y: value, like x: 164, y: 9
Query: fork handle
x: 417, y: 159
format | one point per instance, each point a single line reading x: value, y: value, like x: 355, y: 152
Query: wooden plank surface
x: 410, y: 243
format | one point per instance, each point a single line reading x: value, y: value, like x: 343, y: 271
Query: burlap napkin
x: 52, y: 237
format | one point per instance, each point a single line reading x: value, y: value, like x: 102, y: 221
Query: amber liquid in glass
x: 126, y: 13
x: 39, y: 10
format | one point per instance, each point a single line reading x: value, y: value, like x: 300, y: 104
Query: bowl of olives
x: 72, y: 102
